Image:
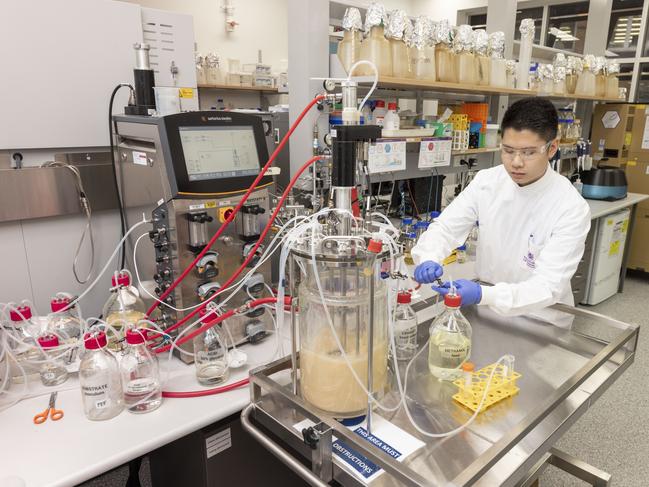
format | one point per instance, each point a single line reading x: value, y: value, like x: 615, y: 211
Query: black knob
x: 157, y: 277
x: 162, y: 258
x: 158, y: 291
x: 153, y: 234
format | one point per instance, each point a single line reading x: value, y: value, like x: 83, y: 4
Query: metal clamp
x: 281, y: 454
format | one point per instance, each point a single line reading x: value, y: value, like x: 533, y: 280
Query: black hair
x: 535, y: 114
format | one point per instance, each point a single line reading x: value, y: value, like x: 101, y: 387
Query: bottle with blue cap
x: 460, y: 254
x: 409, y: 243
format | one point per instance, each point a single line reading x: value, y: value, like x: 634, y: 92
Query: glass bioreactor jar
x: 342, y: 293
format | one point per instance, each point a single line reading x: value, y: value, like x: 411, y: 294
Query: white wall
x: 443, y: 9
x: 262, y: 25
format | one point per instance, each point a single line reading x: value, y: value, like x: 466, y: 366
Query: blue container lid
x: 407, y: 220
x: 462, y: 247
x: 422, y: 224
x: 434, y: 214
x: 412, y: 235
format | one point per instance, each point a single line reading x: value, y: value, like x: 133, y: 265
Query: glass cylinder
x: 483, y: 70
x: 600, y: 85
x: 400, y: 59
x: 445, y: 64
x: 498, y: 73
x: 423, y: 63
x: 211, y: 357
x: 466, y: 68
x: 349, y: 49
x: 586, y: 83
x: 375, y: 48
x: 326, y: 378
x: 612, y: 86
x: 123, y: 307
x: 571, y: 83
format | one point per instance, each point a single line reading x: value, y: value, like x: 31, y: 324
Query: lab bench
x: 563, y: 372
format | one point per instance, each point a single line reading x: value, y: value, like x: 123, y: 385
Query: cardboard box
x: 637, y: 177
x: 639, y: 245
x: 640, y: 134
x: 611, y: 132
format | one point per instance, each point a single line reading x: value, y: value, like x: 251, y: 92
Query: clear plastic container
x: 99, y: 378
x: 349, y: 49
x: 571, y: 83
x: 123, y: 307
x: 52, y: 371
x: 62, y: 322
x: 140, y: 373
x: 460, y: 254
x: 612, y: 86
x: 445, y: 64
x: 466, y: 68
x: 211, y: 357
x: 450, y: 341
x: 491, y: 135
x: 601, y: 84
x: 326, y: 380
x: 422, y: 62
x: 421, y: 227
x: 375, y: 48
x: 586, y: 83
x: 401, y: 60
x: 391, y: 120
x: 498, y: 73
x: 405, y: 327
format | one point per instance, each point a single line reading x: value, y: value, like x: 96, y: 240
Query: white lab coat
x: 531, y: 240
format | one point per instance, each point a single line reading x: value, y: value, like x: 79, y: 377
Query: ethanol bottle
x: 450, y: 341
x: 405, y: 327
x: 140, y: 374
x: 101, y: 387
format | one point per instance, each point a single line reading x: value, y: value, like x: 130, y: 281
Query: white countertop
x: 600, y: 208
x: 75, y: 449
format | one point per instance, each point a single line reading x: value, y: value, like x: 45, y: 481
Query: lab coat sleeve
x: 451, y: 228
x: 555, y: 266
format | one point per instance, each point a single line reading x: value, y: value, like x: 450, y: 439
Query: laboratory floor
x: 612, y: 435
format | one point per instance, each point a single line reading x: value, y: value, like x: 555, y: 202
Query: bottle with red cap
x: 450, y: 340
x: 405, y: 327
x: 101, y: 386
x: 391, y: 120
x: 124, y: 307
x: 23, y: 331
x: 61, y: 321
x: 140, y: 374
x: 53, y: 371
x: 378, y: 115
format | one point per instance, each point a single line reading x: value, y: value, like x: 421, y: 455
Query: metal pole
x: 370, y: 351
x: 291, y: 274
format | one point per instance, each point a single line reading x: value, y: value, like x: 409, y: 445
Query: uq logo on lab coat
x: 530, y: 257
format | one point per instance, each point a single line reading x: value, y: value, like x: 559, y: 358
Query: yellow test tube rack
x: 500, y: 388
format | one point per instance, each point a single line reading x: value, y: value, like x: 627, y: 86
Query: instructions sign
x: 387, y: 155
x: 610, y: 119
x: 645, y: 134
x: 435, y: 152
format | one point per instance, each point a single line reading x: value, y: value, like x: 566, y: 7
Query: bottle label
x: 96, y: 395
x: 139, y: 386
x: 453, y: 352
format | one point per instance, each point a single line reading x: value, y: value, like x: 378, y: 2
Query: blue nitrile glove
x: 470, y: 291
x: 428, y: 272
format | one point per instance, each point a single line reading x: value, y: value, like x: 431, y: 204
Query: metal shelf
x: 240, y: 88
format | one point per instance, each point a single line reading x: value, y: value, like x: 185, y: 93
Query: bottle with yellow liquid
x: 449, y: 346
x: 408, y: 244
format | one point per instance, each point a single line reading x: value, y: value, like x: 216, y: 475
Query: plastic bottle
x: 53, y: 371
x: 391, y: 120
x: 406, y: 225
x: 211, y: 357
x: 421, y: 227
x: 375, y: 48
x: 62, y: 322
x: 349, y: 47
x: 379, y: 113
x: 450, y: 340
x: 445, y: 62
x: 123, y: 307
x: 140, y: 374
x: 405, y: 327
x: 366, y: 115
x: 460, y: 254
x: 411, y: 240
x: 101, y: 387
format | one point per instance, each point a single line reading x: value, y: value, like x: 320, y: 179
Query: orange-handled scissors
x: 51, y: 412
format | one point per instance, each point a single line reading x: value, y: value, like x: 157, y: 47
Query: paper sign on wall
x: 387, y: 156
x: 645, y: 134
x: 435, y: 152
